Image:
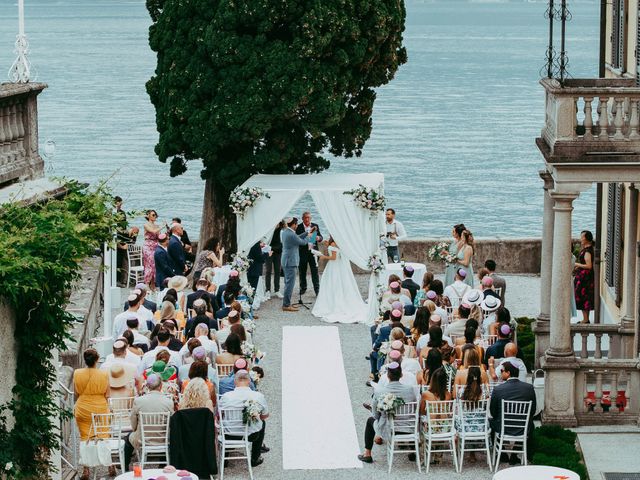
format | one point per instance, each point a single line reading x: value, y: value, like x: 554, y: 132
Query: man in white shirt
x: 457, y: 327
x: 138, y: 339
x: 120, y: 320
x: 410, y: 366
x: 510, y: 352
x: 395, y: 232
x: 457, y: 290
x: 121, y: 354
x: 202, y: 334
x: 236, y: 399
x: 164, y: 336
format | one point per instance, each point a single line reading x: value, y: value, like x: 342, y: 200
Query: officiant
x: 306, y: 257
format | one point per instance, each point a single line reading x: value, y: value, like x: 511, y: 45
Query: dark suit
x: 308, y: 259
x: 148, y: 304
x: 512, y: 389
x: 190, y: 327
x: 176, y: 253
x: 206, y: 296
x: 273, y: 262
x: 257, y: 263
x: 164, y: 266
x: 412, y: 286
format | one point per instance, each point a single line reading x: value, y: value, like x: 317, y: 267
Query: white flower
x: 255, y: 376
x: 8, y: 466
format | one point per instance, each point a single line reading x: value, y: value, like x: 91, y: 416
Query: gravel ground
x: 522, y: 299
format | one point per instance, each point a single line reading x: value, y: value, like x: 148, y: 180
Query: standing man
x: 273, y: 262
x: 291, y: 259
x: 164, y: 265
x: 185, y: 241
x: 498, y: 281
x: 306, y: 257
x: 176, y: 249
x: 257, y: 258
x: 395, y: 232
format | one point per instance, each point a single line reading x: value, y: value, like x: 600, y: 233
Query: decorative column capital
x: 548, y: 179
x: 563, y: 201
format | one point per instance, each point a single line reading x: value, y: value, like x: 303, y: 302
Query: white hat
x: 472, y: 297
x: 178, y: 282
x: 490, y: 304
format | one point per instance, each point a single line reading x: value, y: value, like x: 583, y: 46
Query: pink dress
x: 148, y: 250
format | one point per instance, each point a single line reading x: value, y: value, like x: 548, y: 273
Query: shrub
x: 527, y: 341
x: 556, y: 447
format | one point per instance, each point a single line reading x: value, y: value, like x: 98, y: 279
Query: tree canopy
x: 266, y: 86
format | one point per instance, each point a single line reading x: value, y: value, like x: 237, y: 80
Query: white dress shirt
x: 456, y: 291
x: 236, y: 399
x: 395, y: 227
x: 120, y: 323
x: 129, y: 357
x: 150, y: 357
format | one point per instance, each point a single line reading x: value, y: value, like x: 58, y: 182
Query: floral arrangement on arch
x: 389, y: 404
x: 242, y: 198
x: 251, y: 412
x: 375, y: 263
x: 240, y: 262
x: 440, y: 253
x: 368, y: 198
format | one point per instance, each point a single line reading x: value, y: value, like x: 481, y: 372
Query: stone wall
x: 8, y: 356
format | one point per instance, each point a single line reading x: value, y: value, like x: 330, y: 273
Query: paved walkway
x: 606, y: 451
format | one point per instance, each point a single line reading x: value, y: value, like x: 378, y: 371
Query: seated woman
x: 421, y: 295
x: 470, y: 359
x: 437, y: 391
x: 474, y: 416
x: 435, y: 341
x: 200, y: 369
x: 420, y: 328
x: 135, y: 349
x: 196, y: 395
x: 210, y: 256
x: 432, y: 362
x: 440, y: 300
x: 233, y: 350
x: 470, y: 336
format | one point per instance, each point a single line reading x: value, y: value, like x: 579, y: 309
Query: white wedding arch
x: 355, y: 229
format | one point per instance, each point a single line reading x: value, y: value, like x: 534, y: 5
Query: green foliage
x: 556, y: 447
x: 266, y: 86
x: 527, y: 341
x: 41, y: 248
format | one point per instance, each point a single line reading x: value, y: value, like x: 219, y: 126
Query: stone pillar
x: 559, y: 362
x: 541, y: 327
x: 628, y: 322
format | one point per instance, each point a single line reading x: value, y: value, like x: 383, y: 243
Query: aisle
x: 318, y: 428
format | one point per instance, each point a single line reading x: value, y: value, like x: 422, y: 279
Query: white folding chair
x: 404, y: 433
x: 233, y: 436
x: 440, y: 430
x: 105, y: 428
x: 224, y: 369
x: 498, y: 291
x: 154, y: 433
x: 135, y: 270
x: 121, y: 409
x: 514, y: 418
x: 472, y: 426
x: 489, y: 340
x: 450, y: 314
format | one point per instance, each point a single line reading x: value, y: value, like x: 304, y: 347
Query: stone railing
x: 594, y: 116
x: 19, y: 158
x: 607, y: 392
x: 599, y: 341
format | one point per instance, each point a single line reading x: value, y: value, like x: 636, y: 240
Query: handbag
x: 95, y: 452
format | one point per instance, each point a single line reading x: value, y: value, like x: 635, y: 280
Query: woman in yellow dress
x: 91, y: 387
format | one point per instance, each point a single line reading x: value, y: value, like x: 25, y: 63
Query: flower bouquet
x: 385, y: 348
x: 251, y: 412
x: 250, y: 351
x: 240, y: 262
x: 440, y: 253
x: 389, y: 404
x: 248, y: 324
x: 368, y: 198
x: 255, y: 377
x: 242, y: 198
x: 375, y: 263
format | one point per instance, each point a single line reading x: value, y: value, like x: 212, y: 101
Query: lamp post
x: 20, y: 71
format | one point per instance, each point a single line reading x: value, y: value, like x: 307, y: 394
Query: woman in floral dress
x: 583, y: 283
x: 151, y: 232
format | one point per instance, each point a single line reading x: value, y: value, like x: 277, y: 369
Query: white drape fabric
x: 355, y: 230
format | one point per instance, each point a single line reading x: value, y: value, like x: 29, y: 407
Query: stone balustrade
x: 599, y: 340
x: 19, y: 157
x: 591, y: 118
x: 607, y: 391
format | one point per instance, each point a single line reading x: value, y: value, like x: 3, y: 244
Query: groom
x: 306, y: 257
x: 291, y: 242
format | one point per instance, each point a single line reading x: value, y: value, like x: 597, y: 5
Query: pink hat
x: 395, y: 355
x: 396, y: 306
x: 396, y: 313
x: 431, y: 295
x: 233, y: 273
x: 396, y: 345
x: 487, y: 281
x: 233, y: 314
x: 505, y: 329
x: 394, y: 285
x: 240, y: 363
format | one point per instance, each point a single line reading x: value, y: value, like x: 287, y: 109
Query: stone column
x: 541, y: 327
x: 560, y: 362
x: 627, y: 324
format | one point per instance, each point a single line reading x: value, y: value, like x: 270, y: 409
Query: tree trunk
x: 218, y: 219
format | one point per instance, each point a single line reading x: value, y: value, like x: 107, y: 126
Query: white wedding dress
x: 339, y: 299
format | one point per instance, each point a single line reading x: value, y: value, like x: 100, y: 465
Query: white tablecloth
x: 153, y: 473
x: 419, y: 269
x: 536, y: 472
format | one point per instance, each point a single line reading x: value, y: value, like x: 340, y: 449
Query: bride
x: 339, y: 300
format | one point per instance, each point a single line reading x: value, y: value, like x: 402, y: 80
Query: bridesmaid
x: 151, y: 232
x: 583, y: 283
x: 450, y: 272
x: 465, y: 255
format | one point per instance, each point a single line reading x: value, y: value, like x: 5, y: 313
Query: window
x: 617, y: 34
x: 615, y: 229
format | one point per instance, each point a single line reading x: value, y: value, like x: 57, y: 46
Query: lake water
x: 453, y: 132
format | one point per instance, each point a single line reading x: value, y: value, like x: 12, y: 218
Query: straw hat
x: 490, y: 304
x: 117, y: 377
x: 178, y: 282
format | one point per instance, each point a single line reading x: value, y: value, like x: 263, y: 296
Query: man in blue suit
x: 291, y: 259
x: 164, y: 265
x: 176, y: 249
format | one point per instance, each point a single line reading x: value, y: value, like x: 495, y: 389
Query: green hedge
x: 527, y: 341
x: 556, y: 447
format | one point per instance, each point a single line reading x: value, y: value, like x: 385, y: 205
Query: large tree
x: 266, y: 86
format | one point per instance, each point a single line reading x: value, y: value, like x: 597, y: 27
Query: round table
x: 536, y: 472
x: 419, y: 269
x: 153, y: 473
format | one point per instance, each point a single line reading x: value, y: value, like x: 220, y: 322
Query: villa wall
x: 9, y: 355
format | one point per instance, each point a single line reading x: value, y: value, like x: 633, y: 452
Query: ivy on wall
x: 41, y: 250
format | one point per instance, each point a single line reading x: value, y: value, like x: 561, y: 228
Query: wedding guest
x: 91, y: 387
x: 233, y: 286
x: 227, y: 383
x: 174, y: 344
x: 176, y: 249
x: 408, y: 376
x: 306, y: 258
x: 474, y: 414
x: 437, y: 392
x: 408, y: 283
x: 470, y: 359
x: 226, y: 324
x: 120, y: 320
x: 146, y: 303
x: 233, y: 350
x: 487, y: 288
x: 420, y: 325
x: 497, y: 349
x: 584, y: 280
x: 421, y: 294
x: 499, y: 283
x: 197, y: 354
x: 202, y: 293
x: 163, y: 344
x: 273, y: 262
x: 123, y: 352
x: 122, y: 379
x: 138, y: 339
x: 450, y: 272
x: 196, y: 395
x: 395, y: 233
x: 473, y: 298
x: 437, y: 341
x: 378, y: 424
x: 464, y: 257
x: 237, y: 399
x: 210, y: 256
x: 457, y: 290
x: 440, y: 299
x: 125, y: 236
x: 490, y: 305
x: 201, y: 316
x: 151, y: 232
x: 186, y: 242
x: 510, y: 352
x: 178, y: 283
x: 458, y: 326
x: 163, y: 263
x: 432, y: 362
x: 257, y: 258
x: 468, y: 341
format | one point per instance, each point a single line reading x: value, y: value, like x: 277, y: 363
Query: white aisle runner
x: 318, y: 430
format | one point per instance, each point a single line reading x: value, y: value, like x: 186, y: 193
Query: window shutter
x: 617, y: 242
x: 638, y: 51
x: 608, y: 255
x: 617, y: 34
